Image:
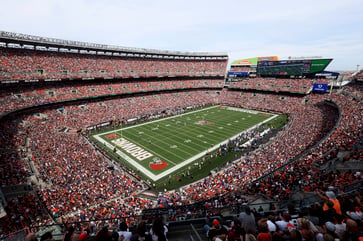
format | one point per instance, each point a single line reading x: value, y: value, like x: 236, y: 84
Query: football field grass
x: 159, y: 148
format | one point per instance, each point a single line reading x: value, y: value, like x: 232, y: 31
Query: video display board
x: 275, y: 68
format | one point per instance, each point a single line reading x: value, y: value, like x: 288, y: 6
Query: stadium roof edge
x: 19, y: 38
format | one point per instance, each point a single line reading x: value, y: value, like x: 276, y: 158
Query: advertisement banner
x: 321, y: 88
x: 237, y: 74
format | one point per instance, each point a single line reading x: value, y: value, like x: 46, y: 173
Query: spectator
x: 292, y: 211
x: 311, y: 217
x: 141, y: 233
x: 329, y: 196
x: 283, y: 222
x: 217, y: 231
x: 328, y: 237
x: 158, y: 230
x: 260, y: 209
x: 306, y: 231
x: 124, y: 234
x: 115, y: 236
x: 46, y: 237
x: 69, y: 233
x: 295, y: 235
x: 340, y: 226
x: 250, y: 235
x: 83, y: 235
x: 30, y: 237
x: 264, y: 234
x: 103, y: 235
x: 271, y: 224
x: 330, y: 229
x: 248, y: 221
x: 237, y: 232
x: 330, y: 214
x: 352, y: 232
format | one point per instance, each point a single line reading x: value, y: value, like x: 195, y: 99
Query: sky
x: 240, y: 28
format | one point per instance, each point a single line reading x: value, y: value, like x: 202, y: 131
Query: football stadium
x: 103, y: 142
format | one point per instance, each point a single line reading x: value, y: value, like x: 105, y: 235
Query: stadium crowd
x: 26, y: 64
x: 12, y: 98
x: 77, y: 177
x: 51, y: 155
x: 77, y: 183
x: 277, y: 85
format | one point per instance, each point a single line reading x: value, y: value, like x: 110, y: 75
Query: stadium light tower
x: 358, y: 67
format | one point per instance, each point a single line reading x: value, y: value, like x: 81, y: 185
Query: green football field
x: 161, y: 147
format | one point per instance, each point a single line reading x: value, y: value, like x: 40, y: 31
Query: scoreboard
x: 278, y: 68
x: 302, y: 67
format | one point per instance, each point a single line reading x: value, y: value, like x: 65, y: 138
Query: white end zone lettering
x: 134, y: 150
